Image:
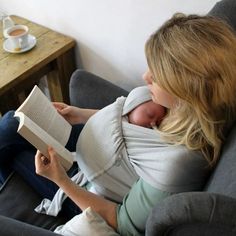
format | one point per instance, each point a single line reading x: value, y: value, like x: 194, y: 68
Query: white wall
x: 110, y: 34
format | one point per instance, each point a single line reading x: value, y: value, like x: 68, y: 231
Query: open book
x: 43, y: 126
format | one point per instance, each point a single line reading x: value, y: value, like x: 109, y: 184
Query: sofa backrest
x: 91, y: 91
x: 223, y: 178
x: 225, y: 9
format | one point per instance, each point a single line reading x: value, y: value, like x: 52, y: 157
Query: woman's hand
x: 50, y: 168
x: 74, y: 115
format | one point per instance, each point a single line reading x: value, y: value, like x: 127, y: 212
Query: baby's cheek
x: 136, y: 119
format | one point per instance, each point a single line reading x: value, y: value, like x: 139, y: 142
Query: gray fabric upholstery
x: 191, y: 209
x: 90, y: 91
x: 11, y: 227
x: 202, y: 229
x: 226, y: 10
x: 18, y: 201
x: 223, y: 179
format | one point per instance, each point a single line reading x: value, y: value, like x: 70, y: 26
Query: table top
x: 15, y: 68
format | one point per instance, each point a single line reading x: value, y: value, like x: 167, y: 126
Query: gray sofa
x: 209, y: 212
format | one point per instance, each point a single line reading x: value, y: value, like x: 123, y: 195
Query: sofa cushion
x: 18, y: 201
x: 12, y: 227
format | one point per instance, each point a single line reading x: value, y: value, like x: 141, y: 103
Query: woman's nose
x: 144, y: 76
x: 147, y: 78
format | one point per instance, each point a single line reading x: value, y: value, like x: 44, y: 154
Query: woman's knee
x: 8, y: 124
x: 11, y: 142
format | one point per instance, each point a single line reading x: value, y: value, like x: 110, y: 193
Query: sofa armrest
x: 91, y: 91
x: 195, y: 210
x: 15, y: 228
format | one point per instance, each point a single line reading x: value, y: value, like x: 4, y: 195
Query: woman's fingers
x: 51, y: 153
x: 59, y: 105
x: 62, y: 108
x: 41, y: 162
x: 38, y: 157
x: 45, y: 160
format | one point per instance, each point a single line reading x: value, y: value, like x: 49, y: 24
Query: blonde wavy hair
x: 194, y: 59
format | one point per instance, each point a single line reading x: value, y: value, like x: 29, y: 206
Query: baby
x: 140, y: 110
x: 147, y: 114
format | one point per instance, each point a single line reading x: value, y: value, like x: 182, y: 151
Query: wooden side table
x: 52, y: 56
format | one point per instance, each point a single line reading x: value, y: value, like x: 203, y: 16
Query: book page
x: 41, y: 111
x: 41, y: 140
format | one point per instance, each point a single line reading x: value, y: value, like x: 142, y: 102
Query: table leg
x: 9, y: 101
x: 58, y: 79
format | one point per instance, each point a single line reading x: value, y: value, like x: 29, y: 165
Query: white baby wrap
x: 112, y: 154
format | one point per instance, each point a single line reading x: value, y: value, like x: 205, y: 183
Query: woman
x: 192, y: 72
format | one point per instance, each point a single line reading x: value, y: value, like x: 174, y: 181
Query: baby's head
x: 141, y: 110
x: 147, y: 114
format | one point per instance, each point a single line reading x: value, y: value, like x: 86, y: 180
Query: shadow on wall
x: 78, y: 57
x: 97, y: 64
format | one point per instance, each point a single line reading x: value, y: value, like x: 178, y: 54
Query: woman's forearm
x: 83, y: 199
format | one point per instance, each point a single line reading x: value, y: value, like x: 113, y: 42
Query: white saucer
x: 7, y: 46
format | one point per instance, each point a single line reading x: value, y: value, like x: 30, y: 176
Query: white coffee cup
x: 18, y: 37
